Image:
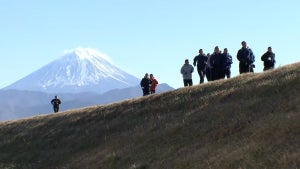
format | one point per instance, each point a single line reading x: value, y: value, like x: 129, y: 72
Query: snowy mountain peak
x: 87, y: 54
x: 78, y: 70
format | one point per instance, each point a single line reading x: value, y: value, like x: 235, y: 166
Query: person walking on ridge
x: 246, y: 58
x: 217, y: 61
x: 201, y: 61
x: 269, y: 59
x: 55, y: 103
x: 153, y: 84
x: 145, y: 84
x: 208, y: 68
x: 186, y: 70
x: 228, y: 62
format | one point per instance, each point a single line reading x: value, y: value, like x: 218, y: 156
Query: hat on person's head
x: 243, y: 42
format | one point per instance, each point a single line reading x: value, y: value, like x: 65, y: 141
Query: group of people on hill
x: 148, y: 84
x: 217, y: 65
x: 213, y: 66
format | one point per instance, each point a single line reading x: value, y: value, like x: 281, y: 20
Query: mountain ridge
x: 78, y: 70
x: 83, y: 75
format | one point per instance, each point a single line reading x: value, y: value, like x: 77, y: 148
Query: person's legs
x: 185, y: 82
x: 145, y: 92
x: 268, y: 68
x: 220, y: 74
x: 208, y: 74
x: 213, y: 74
x: 190, y: 82
x: 228, y: 73
x: 243, y: 68
x: 56, y: 108
x: 201, y: 74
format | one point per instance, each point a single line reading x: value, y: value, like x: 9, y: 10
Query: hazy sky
x: 144, y: 36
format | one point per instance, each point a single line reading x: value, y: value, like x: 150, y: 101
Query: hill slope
x: 13, y: 107
x: 250, y: 121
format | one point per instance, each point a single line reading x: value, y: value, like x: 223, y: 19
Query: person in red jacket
x: 153, y: 84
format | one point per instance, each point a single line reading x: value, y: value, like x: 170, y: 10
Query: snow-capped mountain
x: 79, y: 70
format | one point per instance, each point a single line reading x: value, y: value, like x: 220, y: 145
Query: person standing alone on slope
x: 55, y: 102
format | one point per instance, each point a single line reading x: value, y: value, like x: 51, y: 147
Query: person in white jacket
x: 186, y: 70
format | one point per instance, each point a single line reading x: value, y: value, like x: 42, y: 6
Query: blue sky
x: 144, y: 36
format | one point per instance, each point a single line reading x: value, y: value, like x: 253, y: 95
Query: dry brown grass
x: 250, y: 121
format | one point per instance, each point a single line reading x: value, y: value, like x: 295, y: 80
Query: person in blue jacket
x: 246, y: 58
x: 228, y: 62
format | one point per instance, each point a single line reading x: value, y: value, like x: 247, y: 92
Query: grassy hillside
x: 248, y: 122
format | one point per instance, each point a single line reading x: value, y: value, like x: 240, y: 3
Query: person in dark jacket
x: 269, y: 59
x: 201, y: 61
x: 186, y: 70
x: 228, y: 62
x: 55, y: 102
x: 145, y: 84
x: 217, y: 62
x: 208, y: 68
x: 246, y: 58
